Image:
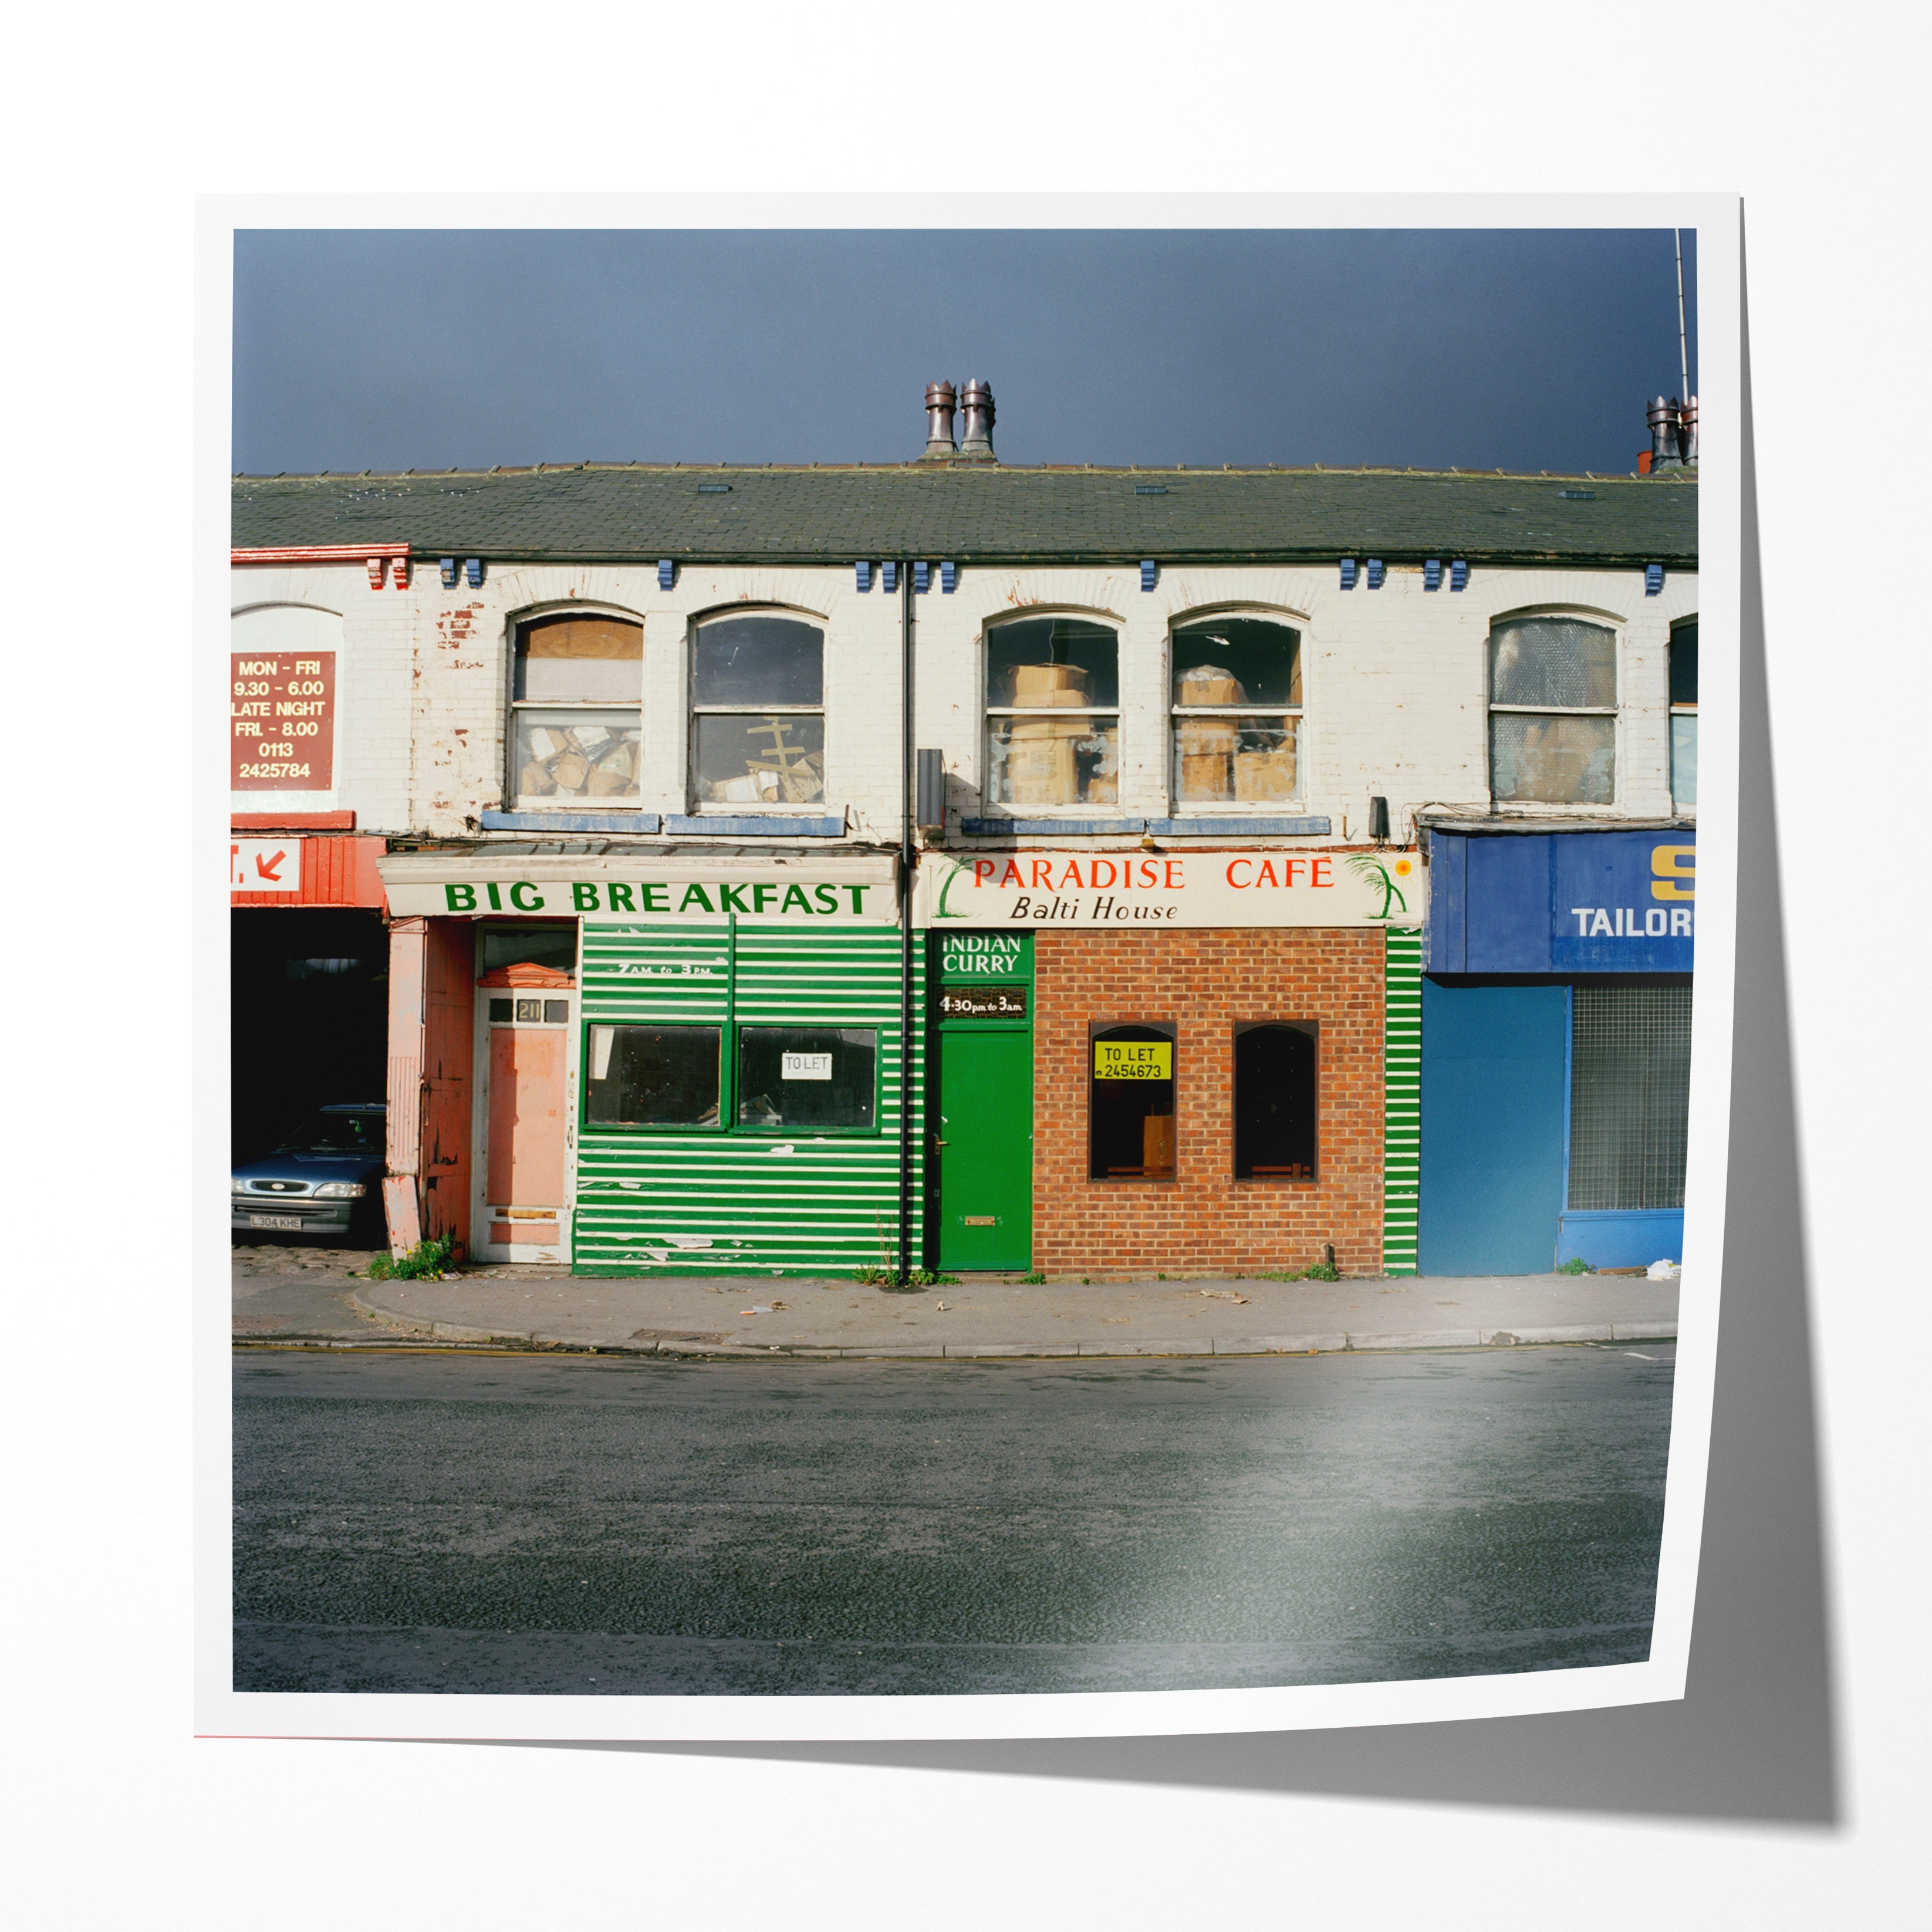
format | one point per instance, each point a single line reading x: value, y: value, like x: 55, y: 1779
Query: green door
x: 983, y: 1142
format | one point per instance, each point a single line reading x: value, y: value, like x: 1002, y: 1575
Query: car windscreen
x: 339, y: 1133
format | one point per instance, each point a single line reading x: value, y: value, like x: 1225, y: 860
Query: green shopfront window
x: 811, y: 1079
x: 653, y: 1076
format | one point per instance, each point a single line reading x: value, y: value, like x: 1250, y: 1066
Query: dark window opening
x: 530, y: 945
x: 1275, y: 1102
x: 807, y: 1077
x: 653, y: 1076
x: 1130, y: 1072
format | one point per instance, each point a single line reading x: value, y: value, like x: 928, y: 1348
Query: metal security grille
x: 1629, y: 1095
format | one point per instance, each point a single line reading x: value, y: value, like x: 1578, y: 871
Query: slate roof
x: 980, y: 514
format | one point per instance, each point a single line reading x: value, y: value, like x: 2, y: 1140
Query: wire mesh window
x: 1553, y: 704
x: 1629, y: 1095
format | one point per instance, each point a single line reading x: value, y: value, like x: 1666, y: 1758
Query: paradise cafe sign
x: 1298, y: 887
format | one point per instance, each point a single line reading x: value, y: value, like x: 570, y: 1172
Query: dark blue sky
x: 1483, y: 349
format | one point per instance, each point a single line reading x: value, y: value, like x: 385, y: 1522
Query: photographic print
x: 961, y: 964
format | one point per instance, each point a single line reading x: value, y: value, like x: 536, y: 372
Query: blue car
x: 327, y: 1180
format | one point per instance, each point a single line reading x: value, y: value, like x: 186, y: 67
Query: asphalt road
x: 433, y: 1522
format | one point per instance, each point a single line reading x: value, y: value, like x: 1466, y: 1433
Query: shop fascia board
x: 483, y: 865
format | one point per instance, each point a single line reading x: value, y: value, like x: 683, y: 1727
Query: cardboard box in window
x: 1262, y: 776
x: 615, y: 774
x: 1157, y: 1144
x: 1202, y: 737
x: 1204, y: 775
x: 1030, y: 682
x: 1209, y: 684
x: 1040, y: 768
x: 1103, y: 789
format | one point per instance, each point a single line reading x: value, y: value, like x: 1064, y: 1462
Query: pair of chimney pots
x: 1673, y: 433
x: 976, y: 402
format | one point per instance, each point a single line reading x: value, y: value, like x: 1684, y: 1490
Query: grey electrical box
x: 929, y: 791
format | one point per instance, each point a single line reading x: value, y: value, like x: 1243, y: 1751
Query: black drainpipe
x: 905, y: 921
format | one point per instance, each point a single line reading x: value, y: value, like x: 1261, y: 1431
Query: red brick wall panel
x: 1205, y: 1222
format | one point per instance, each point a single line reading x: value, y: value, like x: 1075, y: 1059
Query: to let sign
x: 281, y: 722
x: 1133, y: 1060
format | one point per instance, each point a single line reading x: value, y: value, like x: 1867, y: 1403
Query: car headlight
x: 339, y: 1190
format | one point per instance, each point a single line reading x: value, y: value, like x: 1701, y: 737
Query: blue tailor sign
x: 1562, y: 902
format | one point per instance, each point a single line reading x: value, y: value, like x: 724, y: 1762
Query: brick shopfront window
x: 1131, y: 1108
x: 576, y: 697
x: 1275, y: 1100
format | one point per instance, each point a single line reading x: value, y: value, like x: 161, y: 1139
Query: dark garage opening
x: 308, y: 1003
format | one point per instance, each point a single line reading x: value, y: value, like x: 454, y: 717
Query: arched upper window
x: 757, y: 703
x: 1236, y: 699
x: 1053, y: 713
x: 576, y: 695
x: 1552, y: 712
x: 282, y: 696
x: 1683, y: 712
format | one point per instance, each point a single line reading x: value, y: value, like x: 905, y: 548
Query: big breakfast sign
x: 1023, y: 891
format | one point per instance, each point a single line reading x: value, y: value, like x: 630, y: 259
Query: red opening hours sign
x: 281, y: 721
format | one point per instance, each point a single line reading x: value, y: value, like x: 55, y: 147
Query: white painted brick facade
x: 1394, y: 679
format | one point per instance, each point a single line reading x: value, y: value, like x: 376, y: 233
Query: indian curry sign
x: 1295, y: 887
x: 1133, y: 1060
x: 281, y: 721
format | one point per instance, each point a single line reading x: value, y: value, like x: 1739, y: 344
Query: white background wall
x: 121, y: 1817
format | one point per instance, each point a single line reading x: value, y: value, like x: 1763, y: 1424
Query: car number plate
x: 288, y: 1221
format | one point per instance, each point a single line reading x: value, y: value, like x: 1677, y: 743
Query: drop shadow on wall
x: 1755, y: 1737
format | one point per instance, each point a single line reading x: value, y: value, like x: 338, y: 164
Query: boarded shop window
x: 808, y: 1077
x: 1552, y: 712
x: 1684, y: 713
x: 1053, y: 714
x: 576, y: 695
x: 653, y: 1076
x: 1131, y: 1112
x: 1274, y: 1101
x: 1629, y: 1095
x: 1225, y: 747
x: 757, y: 698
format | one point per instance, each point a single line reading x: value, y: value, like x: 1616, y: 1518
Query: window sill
x: 758, y: 825
x: 567, y: 819
x: 1263, y: 826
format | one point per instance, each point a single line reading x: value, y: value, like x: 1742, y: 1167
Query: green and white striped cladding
x: 1402, y: 1096
x: 826, y: 1205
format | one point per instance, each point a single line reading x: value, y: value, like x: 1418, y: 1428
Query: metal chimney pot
x: 1663, y: 434
x: 977, y: 403
x: 939, y: 400
x: 1686, y: 431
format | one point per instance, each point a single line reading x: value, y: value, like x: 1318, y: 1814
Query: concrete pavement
x: 287, y: 1294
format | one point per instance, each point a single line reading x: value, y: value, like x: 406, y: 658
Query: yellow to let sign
x: 1133, y: 1060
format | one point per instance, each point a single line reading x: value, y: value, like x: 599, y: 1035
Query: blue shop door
x: 1493, y: 1114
